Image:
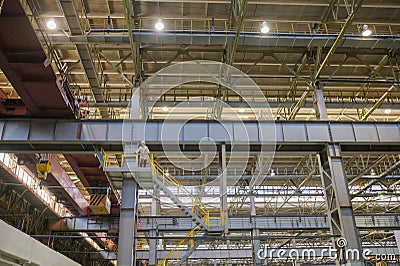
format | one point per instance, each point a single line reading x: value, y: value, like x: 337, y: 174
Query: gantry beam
x: 28, y: 68
x: 291, y: 136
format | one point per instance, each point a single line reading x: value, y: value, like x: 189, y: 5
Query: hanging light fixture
x: 51, y: 24
x: 159, y: 25
x: 388, y: 111
x: 366, y: 31
x: 264, y: 27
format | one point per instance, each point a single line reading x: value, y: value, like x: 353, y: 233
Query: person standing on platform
x: 143, y: 152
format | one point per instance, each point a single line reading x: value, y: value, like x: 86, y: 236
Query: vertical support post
x: 224, y: 193
x: 223, y: 188
x: 153, y: 233
x: 135, y: 105
x: 397, y: 238
x: 319, y: 102
x: 295, y: 262
x: 252, y: 202
x: 127, y: 223
x: 256, y: 232
x: 339, y: 209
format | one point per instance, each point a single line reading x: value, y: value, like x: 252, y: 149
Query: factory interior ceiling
x: 298, y: 53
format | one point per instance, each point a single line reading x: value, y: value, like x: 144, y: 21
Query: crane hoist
x: 43, y: 166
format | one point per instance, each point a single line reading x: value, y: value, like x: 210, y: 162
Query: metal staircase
x: 161, y: 185
x: 173, y: 253
x: 191, y: 250
x: 154, y: 176
x: 207, y: 221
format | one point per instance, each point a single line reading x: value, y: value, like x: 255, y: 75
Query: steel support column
x: 223, y: 188
x: 296, y: 262
x: 255, y: 232
x: 319, y: 102
x: 338, y: 203
x: 127, y: 223
x: 224, y: 193
x: 153, y: 233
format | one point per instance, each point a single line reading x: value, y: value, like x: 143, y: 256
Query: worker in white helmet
x: 143, y: 152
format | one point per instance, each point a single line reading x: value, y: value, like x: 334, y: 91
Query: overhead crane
x: 29, y: 69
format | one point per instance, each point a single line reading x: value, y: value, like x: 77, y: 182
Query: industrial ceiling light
x: 159, y: 25
x: 242, y: 110
x: 388, y: 111
x: 51, y: 24
x: 264, y: 27
x: 365, y: 31
x: 165, y: 109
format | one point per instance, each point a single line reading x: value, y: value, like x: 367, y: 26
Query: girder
x: 84, y: 51
x: 86, y: 136
x: 276, y: 223
x: 220, y: 38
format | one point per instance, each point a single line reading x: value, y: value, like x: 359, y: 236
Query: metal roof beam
x: 338, y: 39
x: 250, y: 39
x: 236, y: 18
x: 387, y: 172
x: 85, y: 55
x: 377, y: 103
x: 130, y: 15
x: 116, y: 70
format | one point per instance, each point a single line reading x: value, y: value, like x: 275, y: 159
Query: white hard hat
x: 142, y: 142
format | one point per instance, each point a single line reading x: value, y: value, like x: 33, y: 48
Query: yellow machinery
x: 42, y: 169
x: 100, y: 204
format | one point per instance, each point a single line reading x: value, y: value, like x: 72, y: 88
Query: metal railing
x: 167, y: 179
x: 112, y: 159
x: 175, y: 250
